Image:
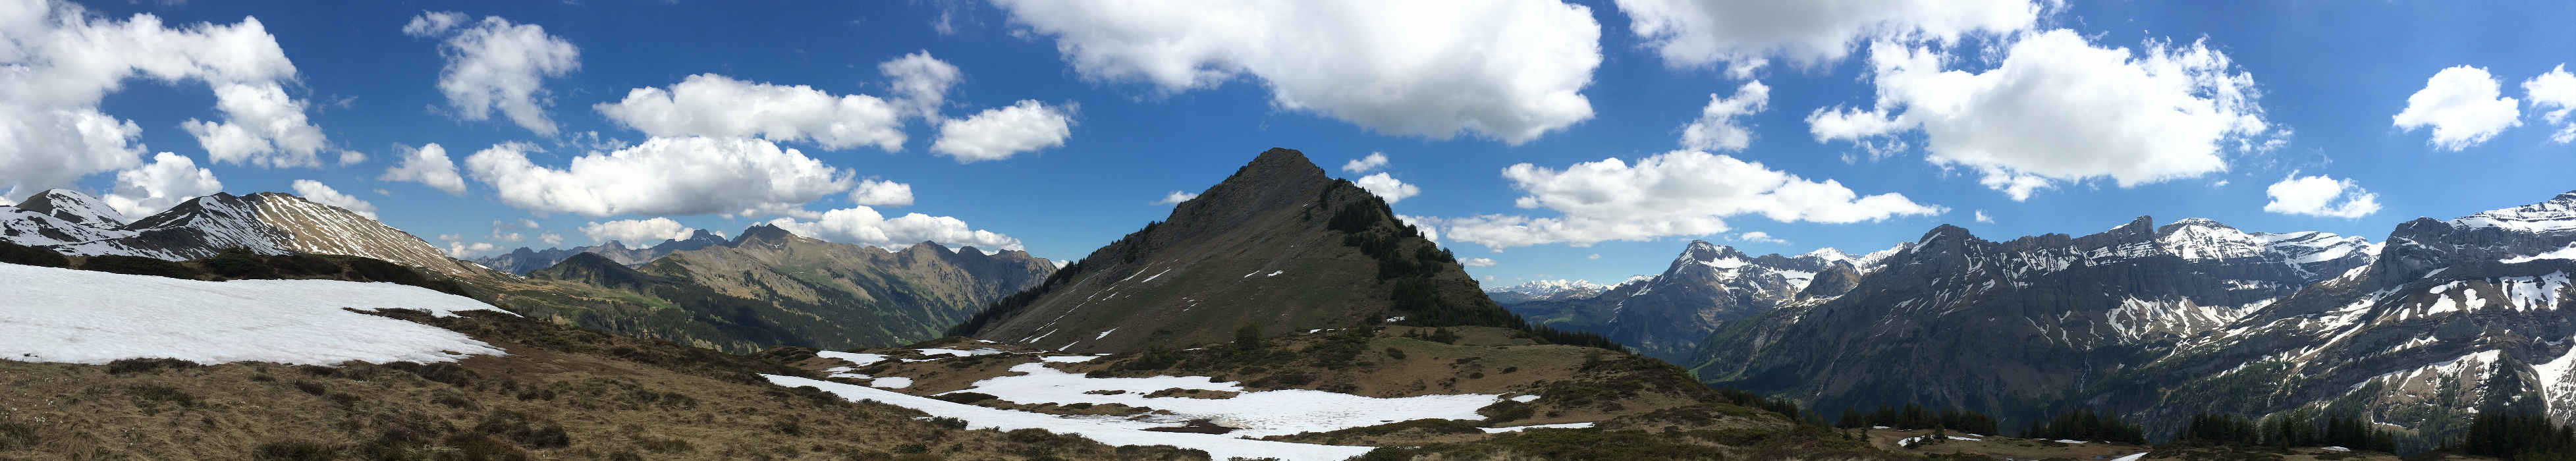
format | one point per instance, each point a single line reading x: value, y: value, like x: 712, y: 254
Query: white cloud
x: 550, y: 238
x: 716, y: 106
x: 1759, y: 237
x: 433, y: 23
x: 351, y: 157
x: 2463, y: 104
x: 1746, y: 35
x: 1981, y: 217
x: 427, y: 164
x: 999, y: 133
x: 316, y: 192
x: 62, y: 61
x: 264, y: 127
x: 1507, y: 69
x: 457, y: 248
x: 168, y: 180
x: 920, y: 82
x: 1716, y: 129
x: 661, y: 176
x: 1477, y: 262
x: 863, y: 226
x: 1373, y: 161
x: 1176, y: 197
x: 494, y: 64
x: 527, y: 223
x: 1593, y: 256
x: 1387, y: 187
x: 882, y: 193
x: 2318, y: 195
x: 2058, y: 109
x: 2556, y: 91
x: 636, y: 232
x: 1674, y: 193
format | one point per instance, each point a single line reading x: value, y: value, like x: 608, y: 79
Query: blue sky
x: 2325, y: 79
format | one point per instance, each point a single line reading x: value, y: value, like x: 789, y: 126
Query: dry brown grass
x: 561, y: 394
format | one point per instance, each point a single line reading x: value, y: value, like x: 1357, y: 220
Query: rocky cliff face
x: 1667, y: 315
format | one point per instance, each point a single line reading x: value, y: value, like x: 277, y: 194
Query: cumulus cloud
x: 1506, y: 69
x: 2320, y: 196
x: 351, y: 157
x: 1669, y: 194
x: 2464, y: 105
x: 1746, y: 35
x: 716, y: 106
x: 661, y: 176
x: 550, y: 238
x: 1981, y: 217
x: 1387, y: 187
x: 457, y: 248
x: 999, y: 133
x: 1373, y: 161
x: 62, y: 61
x: 1176, y: 197
x: 427, y: 164
x: 263, y: 127
x: 882, y: 193
x: 1716, y: 129
x: 2555, y: 91
x: 1759, y: 237
x: 2058, y: 109
x: 168, y: 180
x: 864, y: 226
x: 920, y: 82
x: 316, y: 192
x: 495, y: 64
x: 638, y: 232
x: 1477, y: 262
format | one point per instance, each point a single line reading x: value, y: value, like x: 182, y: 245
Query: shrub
x: 1395, y: 353
x: 21, y: 254
x: 964, y: 397
x: 296, y: 450
x: 123, y: 366
x: 1507, y: 411
x: 138, y: 265
x: 943, y: 421
x: 238, y: 262
x: 16, y: 436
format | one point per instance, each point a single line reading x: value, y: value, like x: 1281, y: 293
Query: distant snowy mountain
x: 1667, y: 314
x: 1545, y: 290
x: 267, y: 223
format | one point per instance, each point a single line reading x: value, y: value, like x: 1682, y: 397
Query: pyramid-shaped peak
x: 73, y: 206
x: 762, y: 232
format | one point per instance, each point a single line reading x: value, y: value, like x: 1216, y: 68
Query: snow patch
x: 75, y: 316
x: 855, y: 359
x: 1113, y: 431
x: 1253, y: 414
x: 1498, y: 430
x: 892, y: 382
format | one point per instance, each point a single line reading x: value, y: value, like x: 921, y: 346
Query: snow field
x: 74, y: 316
x: 1109, y: 430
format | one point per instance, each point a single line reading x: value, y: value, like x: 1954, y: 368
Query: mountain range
x: 524, y: 260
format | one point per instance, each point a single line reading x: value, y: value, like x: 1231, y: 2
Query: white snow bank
x: 2334, y: 449
x: 2135, y: 457
x: 1498, y: 430
x: 1252, y: 414
x: 892, y: 382
x: 2068, y: 441
x: 1109, y: 430
x: 74, y: 316
x: 855, y: 359
x: 1070, y: 358
x: 962, y: 354
x: 2563, y: 253
x: 1525, y: 398
x: 1911, y: 440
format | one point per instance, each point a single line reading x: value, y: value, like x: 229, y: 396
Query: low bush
x: 123, y: 366
x: 21, y: 254
x: 138, y: 265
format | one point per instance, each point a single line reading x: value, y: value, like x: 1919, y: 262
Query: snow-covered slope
x: 266, y: 223
x: 74, y: 316
x: 74, y: 207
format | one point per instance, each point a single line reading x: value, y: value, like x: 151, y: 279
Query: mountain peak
x: 2558, y: 214
x: 71, y: 205
x: 761, y: 232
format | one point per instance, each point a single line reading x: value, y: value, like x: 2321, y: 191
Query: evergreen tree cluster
x: 2087, y: 425
x: 1786, y: 407
x: 2295, y: 428
x: 2523, y: 435
x: 1369, y: 225
x: 1916, y: 417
